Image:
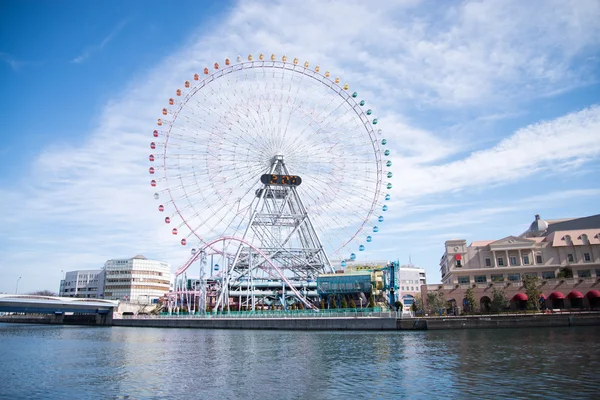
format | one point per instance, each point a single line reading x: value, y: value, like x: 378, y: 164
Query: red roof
x: 593, y: 294
x: 520, y: 297
x: 575, y: 295
x: 556, y: 295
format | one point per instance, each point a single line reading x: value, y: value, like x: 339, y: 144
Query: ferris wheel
x: 277, y: 155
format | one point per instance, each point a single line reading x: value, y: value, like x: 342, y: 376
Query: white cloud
x: 471, y: 53
x: 12, y: 62
x: 91, y: 50
x: 566, y: 141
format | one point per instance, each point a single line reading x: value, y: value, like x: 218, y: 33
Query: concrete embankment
x: 60, y: 319
x: 323, y: 324
x: 499, y: 321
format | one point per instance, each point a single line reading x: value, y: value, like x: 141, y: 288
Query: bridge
x: 32, y: 304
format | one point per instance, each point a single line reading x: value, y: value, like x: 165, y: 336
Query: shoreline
x: 329, y: 323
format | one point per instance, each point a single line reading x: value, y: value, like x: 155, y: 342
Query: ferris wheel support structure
x: 280, y: 208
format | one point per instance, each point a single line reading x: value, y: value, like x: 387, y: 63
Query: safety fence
x: 276, y: 314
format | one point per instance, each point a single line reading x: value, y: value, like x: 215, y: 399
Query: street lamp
x: 61, y: 290
x: 17, y: 289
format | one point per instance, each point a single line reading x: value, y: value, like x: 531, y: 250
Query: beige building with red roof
x: 564, y: 254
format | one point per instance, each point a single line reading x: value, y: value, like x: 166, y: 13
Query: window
x: 584, y: 273
x: 598, y: 272
x: 548, y: 275
x: 586, y: 257
x: 538, y: 259
x: 497, y: 278
x: 531, y: 274
x: 514, y: 277
x: 513, y: 260
x: 480, y: 279
x: 488, y: 262
x: 463, y: 280
x: 500, y: 261
x: 525, y: 259
x: 570, y: 258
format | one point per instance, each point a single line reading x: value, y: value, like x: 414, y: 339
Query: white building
x: 411, y: 279
x: 83, y: 283
x: 136, y: 279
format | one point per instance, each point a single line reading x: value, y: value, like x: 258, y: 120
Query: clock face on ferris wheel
x: 284, y: 180
x: 213, y: 149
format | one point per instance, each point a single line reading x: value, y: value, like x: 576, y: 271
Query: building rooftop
x: 591, y: 222
x: 575, y: 237
x: 542, y: 228
x: 481, y: 243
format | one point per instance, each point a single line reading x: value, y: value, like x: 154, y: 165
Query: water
x: 54, y: 362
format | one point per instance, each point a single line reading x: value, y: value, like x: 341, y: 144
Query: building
x: 408, y: 280
x: 83, y: 283
x: 136, y: 279
x: 411, y: 278
x: 564, y: 254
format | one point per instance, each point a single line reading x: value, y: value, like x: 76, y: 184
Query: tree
x: 471, y: 302
x: 565, y: 273
x: 371, y: 301
x: 435, y: 302
x: 352, y: 303
x: 322, y: 304
x: 398, y: 304
x: 344, y: 302
x: 499, y: 300
x: 417, y: 304
x: 530, y: 283
x: 44, y: 292
x: 332, y: 302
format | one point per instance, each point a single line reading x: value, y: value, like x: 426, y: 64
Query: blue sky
x: 491, y: 109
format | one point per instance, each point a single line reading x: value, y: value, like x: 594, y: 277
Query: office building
x: 136, y: 279
x: 83, y: 283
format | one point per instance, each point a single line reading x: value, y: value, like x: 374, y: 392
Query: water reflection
x: 86, y: 362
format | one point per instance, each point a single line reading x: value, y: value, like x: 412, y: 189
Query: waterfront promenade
x: 373, y: 321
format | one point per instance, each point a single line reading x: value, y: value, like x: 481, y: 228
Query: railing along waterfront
x: 512, y: 313
x: 271, y: 314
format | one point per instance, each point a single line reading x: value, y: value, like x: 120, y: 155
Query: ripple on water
x: 87, y: 362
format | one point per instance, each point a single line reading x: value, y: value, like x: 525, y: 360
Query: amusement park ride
x: 270, y: 166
